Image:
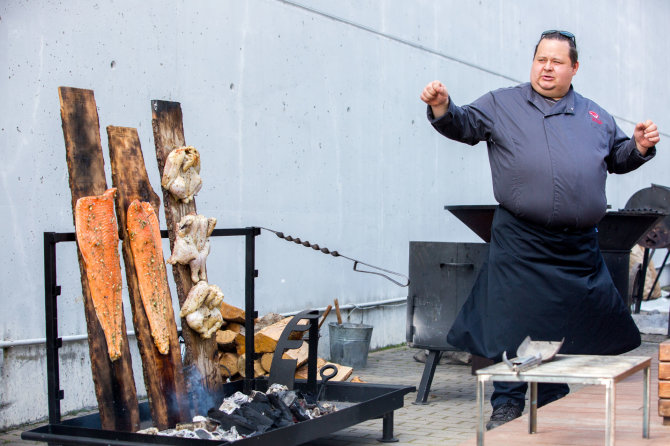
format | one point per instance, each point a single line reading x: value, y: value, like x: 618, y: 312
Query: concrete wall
x: 308, y: 121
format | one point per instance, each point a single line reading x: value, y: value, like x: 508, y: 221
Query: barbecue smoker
x: 357, y: 402
x: 657, y: 198
x: 443, y: 273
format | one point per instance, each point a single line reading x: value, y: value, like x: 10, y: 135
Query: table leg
x: 532, y: 416
x: 480, y: 411
x: 610, y: 404
x: 646, y: 386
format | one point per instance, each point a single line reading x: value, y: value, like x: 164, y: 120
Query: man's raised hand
x: 646, y: 135
x: 435, y: 94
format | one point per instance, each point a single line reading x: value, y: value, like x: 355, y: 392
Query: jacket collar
x: 566, y: 105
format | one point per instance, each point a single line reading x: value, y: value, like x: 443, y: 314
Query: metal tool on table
x: 532, y: 353
x: 325, y: 377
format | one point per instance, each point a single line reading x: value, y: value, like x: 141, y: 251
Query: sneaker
x: 504, y: 413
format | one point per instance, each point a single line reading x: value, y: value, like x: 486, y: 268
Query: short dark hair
x: 558, y: 35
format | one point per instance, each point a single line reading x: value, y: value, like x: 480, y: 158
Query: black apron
x: 546, y: 284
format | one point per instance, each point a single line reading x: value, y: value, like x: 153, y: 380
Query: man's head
x: 554, y: 64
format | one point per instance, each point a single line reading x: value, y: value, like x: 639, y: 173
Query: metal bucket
x: 349, y: 343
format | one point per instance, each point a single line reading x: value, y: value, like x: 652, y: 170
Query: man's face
x: 552, y: 71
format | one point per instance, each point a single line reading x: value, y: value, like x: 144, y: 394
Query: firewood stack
x: 664, y: 381
x: 267, y: 330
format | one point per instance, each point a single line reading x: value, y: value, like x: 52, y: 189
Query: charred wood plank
x: 114, y: 383
x: 163, y: 374
x: 201, y: 354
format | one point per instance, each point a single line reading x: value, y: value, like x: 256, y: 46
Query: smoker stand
x: 363, y: 401
x: 443, y: 273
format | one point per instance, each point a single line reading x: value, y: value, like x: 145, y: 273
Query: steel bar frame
x: 371, y: 400
x: 52, y: 290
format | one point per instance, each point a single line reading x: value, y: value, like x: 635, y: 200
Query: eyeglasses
x: 567, y: 34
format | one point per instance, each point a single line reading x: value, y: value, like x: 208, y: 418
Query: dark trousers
x: 516, y: 392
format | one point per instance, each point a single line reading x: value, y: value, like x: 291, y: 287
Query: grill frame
x: 371, y: 400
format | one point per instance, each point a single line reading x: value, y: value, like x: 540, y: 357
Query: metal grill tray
x: 361, y: 402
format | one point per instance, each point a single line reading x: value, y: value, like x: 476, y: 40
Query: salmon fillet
x: 98, y: 240
x: 145, y: 243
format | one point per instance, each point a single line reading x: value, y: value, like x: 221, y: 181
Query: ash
x: 242, y: 415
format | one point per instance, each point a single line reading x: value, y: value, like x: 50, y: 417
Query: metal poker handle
x: 379, y: 271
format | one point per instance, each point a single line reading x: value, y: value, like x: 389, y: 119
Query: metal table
x: 575, y: 369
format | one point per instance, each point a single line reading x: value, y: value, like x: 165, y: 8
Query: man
x: 550, y: 150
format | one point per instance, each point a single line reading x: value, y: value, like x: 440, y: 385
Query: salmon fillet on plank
x: 98, y: 241
x: 146, y: 245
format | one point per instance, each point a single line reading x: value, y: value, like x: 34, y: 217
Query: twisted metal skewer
x: 325, y: 250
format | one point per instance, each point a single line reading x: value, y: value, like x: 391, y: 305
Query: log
x: 163, y: 375
x: 299, y: 354
x: 258, y: 368
x: 226, y: 340
x: 343, y: 372
x: 266, y: 361
x: 240, y: 346
x: 236, y: 327
x: 301, y: 372
x: 266, y: 320
x: 114, y: 383
x: 200, y: 353
x: 265, y: 341
x: 228, y: 365
x: 231, y: 313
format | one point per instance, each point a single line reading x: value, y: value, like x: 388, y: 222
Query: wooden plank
x: 664, y: 389
x: 664, y: 351
x: 664, y: 370
x: 163, y: 374
x: 114, y: 383
x: 664, y: 407
x: 201, y: 354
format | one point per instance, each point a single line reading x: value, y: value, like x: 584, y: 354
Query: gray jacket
x: 549, y: 163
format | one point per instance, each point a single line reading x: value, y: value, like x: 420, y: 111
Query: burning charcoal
x: 254, y: 417
x: 259, y: 397
x: 326, y: 408
x: 233, y: 402
x: 184, y: 426
x: 202, y: 433
x: 229, y: 435
x: 148, y: 431
x: 286, y: 415
x: 228, y: 421
x: 277, y: 388
x: 298, y: 411
x: 269, y: 411
x: 288, y: 398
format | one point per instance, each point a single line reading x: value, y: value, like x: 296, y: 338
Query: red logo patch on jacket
x: 595, y: 117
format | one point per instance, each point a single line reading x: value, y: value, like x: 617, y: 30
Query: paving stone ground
x: 448, y: 419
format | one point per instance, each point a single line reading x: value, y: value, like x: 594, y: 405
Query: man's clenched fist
x: 435, y: 94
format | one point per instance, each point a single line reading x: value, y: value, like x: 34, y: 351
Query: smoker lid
x: 657, y: 198
x: 476, y: 217
x: 617, y: 231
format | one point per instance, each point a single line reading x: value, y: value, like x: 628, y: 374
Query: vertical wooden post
x: 114, y: 382
x: 163, y: 375
x: 201, y: 354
